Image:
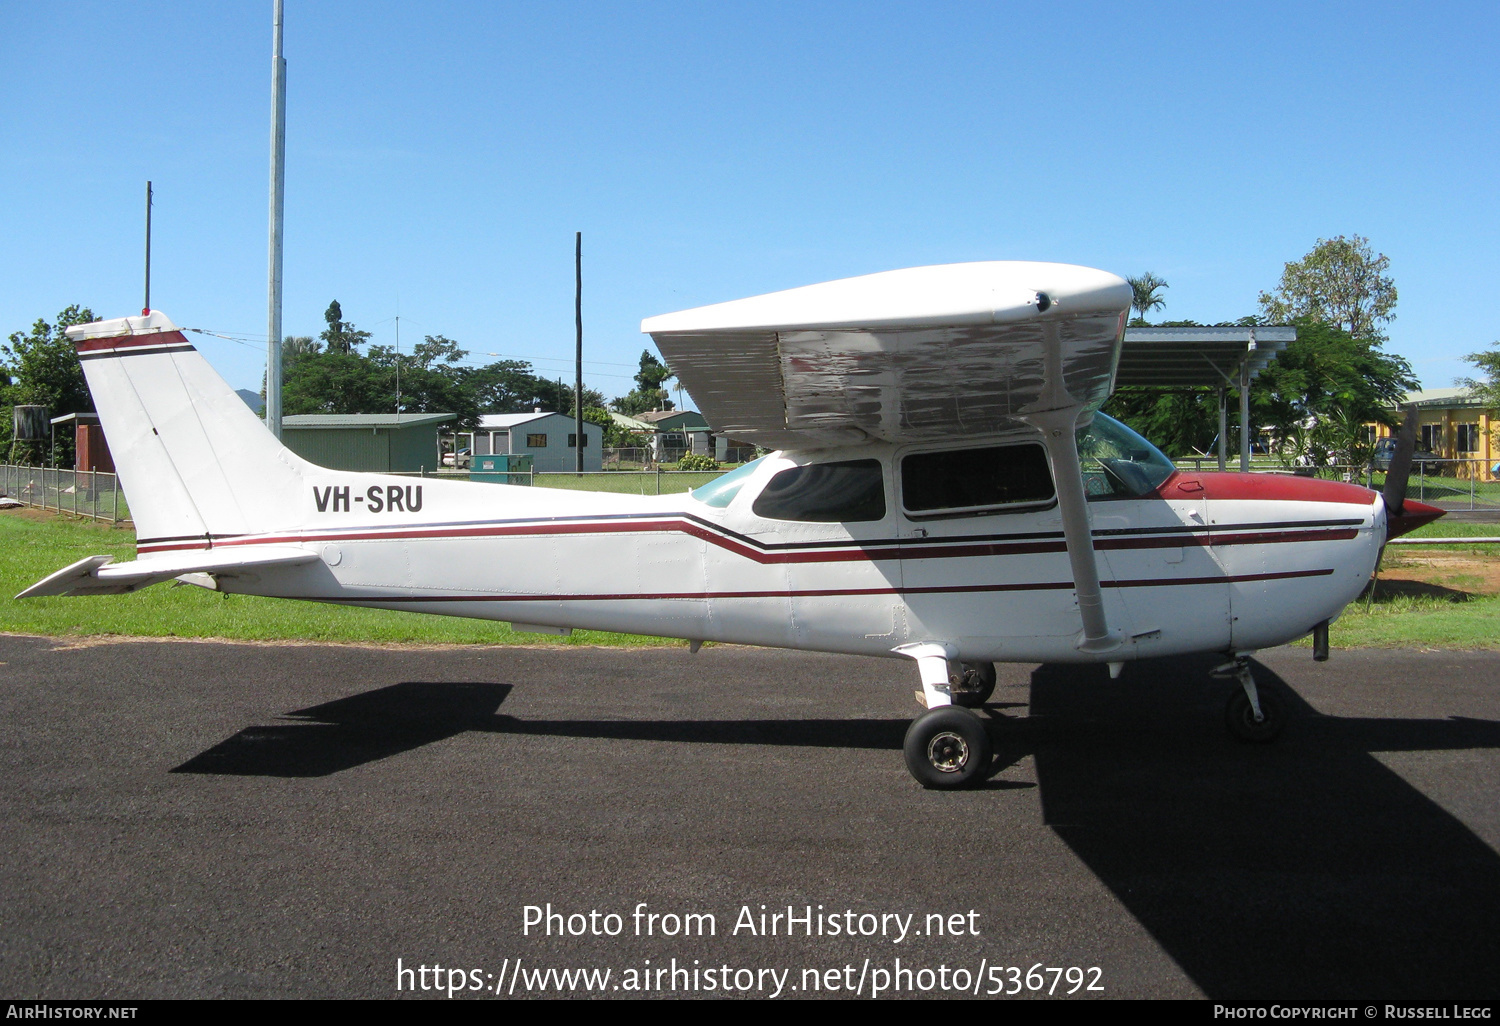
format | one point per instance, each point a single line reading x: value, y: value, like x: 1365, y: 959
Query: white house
x: 550, y: 438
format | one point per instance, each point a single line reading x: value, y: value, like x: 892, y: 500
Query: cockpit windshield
x: 1118, y: 463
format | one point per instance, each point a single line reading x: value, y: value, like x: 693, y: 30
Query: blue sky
x: 440, y: 157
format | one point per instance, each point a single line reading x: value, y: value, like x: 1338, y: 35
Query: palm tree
x: 294, y: 347
x: 1145, y: 299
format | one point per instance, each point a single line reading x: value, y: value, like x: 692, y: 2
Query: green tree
x: 652, y: 374
x: 1321, y: 389
x: 559, y: 396
x: 1144, y: 296
x: 615, y: 436
x: 1486, y: 390
x: 294, y: 347
x: 341, y: 336
x: 506, y: 386
x: 1181, y: 422
x: 1341, y: 281
x: 338, y: 382
x: 650, y: 388
x: 42, y: 369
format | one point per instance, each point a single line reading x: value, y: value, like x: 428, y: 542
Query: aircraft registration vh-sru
x: 943, y: 489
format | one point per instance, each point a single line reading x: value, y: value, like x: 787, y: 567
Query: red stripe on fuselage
x: 961, y: 589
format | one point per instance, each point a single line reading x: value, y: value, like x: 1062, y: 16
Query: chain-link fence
x: 624, y: 482
x: 1448, y: 484
x: 641, y: 458
x: 86, y: 493
x: 645, y: 482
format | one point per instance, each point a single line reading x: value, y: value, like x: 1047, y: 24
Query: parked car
x: 1385, y: 450
x: 458, y: 460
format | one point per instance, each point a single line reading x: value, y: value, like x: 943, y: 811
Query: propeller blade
x: 1396, y: 475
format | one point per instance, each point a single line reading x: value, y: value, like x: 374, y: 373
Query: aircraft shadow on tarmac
x: 349, y: 732
x: 1305, y: 868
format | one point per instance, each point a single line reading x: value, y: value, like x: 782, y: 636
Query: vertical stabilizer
x: 194, y: 461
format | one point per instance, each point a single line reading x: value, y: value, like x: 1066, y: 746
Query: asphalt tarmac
x: 224, y: 820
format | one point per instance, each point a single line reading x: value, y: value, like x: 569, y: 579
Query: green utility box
x: 505, y: 468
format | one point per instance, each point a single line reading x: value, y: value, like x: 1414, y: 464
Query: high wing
x: 96, y: 575
x: 916, y: 354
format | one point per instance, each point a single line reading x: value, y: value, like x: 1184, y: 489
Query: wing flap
x: 97, y: 575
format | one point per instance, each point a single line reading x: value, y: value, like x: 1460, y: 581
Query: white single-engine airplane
x: 944, y: 490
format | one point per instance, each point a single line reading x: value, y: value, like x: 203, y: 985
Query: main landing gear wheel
x: 947, y: 748
x: 1239, y: 717
x: 972, y: 685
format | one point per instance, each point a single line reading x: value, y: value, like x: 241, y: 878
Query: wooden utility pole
x: 578, y: 319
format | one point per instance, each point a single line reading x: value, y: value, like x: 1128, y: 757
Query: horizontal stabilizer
x: 96, y: 575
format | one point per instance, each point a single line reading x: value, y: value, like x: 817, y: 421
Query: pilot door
x: 1156, y: 551
x: 984, y: 563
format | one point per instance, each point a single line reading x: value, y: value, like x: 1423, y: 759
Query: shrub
x: 697, y: 461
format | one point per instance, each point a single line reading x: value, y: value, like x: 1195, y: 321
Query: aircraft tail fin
x: 195, y: 462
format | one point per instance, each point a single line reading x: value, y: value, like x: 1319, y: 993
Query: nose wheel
x: 1252, y: 715
x: 947, y: 749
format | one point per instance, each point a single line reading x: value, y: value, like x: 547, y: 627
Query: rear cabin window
x: 825, y: 493
x: 976, y: 480
x: 720, y: 492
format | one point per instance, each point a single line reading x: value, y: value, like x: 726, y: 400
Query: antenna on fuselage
x: 146, y: 306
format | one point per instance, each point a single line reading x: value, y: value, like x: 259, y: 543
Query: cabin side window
x: 849, y: 491
x: 967, y: 481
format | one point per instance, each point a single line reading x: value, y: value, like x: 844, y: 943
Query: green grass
x: 1445, y: 529
x: 1458, y: 612
x: 1418, y: 621
x: 36, y: 544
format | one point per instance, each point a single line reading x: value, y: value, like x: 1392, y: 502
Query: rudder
x: 194, y: 461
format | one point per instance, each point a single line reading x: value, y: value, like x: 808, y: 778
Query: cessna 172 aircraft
x: 944, y: 490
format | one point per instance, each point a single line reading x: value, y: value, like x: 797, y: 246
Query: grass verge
x: 1430, y: 596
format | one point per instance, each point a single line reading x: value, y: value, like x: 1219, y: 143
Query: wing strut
x: 1059, y: 427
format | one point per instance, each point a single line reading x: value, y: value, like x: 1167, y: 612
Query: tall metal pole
x: 1223, y: 428
x: 578, y: 318
x: 1245, y: 408
x: 146, y: 307
x: 278, y: 194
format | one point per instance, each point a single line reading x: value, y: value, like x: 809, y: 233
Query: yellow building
x: 1454, y: 427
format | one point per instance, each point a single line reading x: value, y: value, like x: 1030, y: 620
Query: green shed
x: 379, y: 442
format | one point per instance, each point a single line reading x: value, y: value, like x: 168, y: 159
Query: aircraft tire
x: 984, y: 679
x: 947, y: 748
x: 1240, y: 718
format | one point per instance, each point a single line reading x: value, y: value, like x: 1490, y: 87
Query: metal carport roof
x: 1164, y: 357
x: 1194, y: 357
